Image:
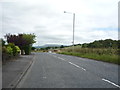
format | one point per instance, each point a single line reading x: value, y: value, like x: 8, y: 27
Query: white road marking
x: 53, y: 53
x: 77, y: 66
x: 111, y: 82
x: 70, y: 63
x: 61, y: 58
x: 54, y: 56
x: 44, y: 77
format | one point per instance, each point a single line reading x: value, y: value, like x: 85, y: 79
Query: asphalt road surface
x: 51, y: 70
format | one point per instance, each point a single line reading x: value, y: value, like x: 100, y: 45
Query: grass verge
x: 106, y: 58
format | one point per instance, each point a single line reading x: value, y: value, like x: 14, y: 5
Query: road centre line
x: 61, y: 58
x: 54, y: 56
x: 85, y: 70
x: 70, y: 62
x: 77, y: 66
x: 58, y: 57
x: 111, y: 82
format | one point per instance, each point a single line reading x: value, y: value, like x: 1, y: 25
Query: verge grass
x: 101, y: 54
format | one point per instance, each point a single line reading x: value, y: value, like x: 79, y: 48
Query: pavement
x: 14, y: 70
x: 50, y: 70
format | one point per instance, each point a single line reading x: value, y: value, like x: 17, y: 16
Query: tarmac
x: 14, y: 70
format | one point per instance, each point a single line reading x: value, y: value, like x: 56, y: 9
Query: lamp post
x: 73, y: 26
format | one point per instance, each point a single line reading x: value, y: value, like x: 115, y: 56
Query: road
x: 51, y: 70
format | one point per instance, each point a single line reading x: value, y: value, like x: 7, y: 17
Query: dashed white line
x: 111, y: 82
x: 44, y: 77
x: 70, y: 63
x: 85, y: 70
x: 54, y: 56
x: 77, y: 66
x: 61, y: 58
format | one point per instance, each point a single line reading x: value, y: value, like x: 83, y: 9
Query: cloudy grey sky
x: 95, y: 20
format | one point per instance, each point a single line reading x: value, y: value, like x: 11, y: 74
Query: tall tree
x: 29, y: 40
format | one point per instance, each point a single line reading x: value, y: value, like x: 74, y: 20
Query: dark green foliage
x: 29, y: 38
x: 42, y: 48
x: 47, y: 48
x: 24, y: 41
x: 61, y: 46
x: 27, y: 49
x: 84, y: 45
x: 119, y: 44
x: 108, y: 43
x: 33, y: 48
x: 104, y: 50
x: 9, y: 51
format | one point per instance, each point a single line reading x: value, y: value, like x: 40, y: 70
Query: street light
x: 73, y: 26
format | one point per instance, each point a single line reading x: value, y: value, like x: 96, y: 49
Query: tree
x: 29, y: 40
x: 61, y: 46
x: 85, y: 45
x: 108, y: 43
x: 16, y: 39
x: 33, y: 48
x: 24, y: 41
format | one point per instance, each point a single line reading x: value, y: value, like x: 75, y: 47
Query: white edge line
x: 111, y: 82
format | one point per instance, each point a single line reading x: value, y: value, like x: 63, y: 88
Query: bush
x: 18, y: 49
x: 9, y: 50
x: 14, y: 48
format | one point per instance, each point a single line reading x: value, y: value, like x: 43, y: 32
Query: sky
x: 94, y: 20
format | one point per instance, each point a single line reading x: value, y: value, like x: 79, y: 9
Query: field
x: 103, y: 54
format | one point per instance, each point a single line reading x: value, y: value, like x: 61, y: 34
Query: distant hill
x: 48, y: 45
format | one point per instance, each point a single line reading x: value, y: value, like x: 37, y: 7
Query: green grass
x: 104, y: 57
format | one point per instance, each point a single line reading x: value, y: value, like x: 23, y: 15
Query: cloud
x: 94, y: 19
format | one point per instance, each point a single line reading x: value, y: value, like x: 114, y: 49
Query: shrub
x: 18, y: 49
x: 14, y: 48
x: 9, y: 50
